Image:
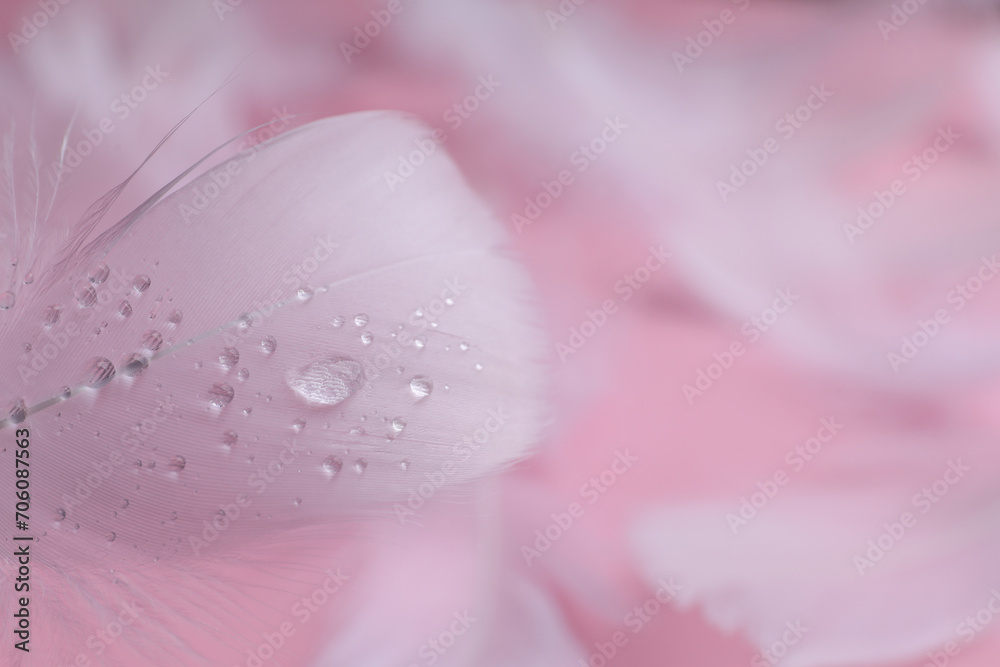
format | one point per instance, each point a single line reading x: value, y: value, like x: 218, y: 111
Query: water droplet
x: 85, y: 294
x: 198, y: 365
x: 66, y: 392
x: 360, y: 465
x: 361, y: 319
x: 230, y: 357
x: 244, y: 374
x: 404, y: 464
x: 29, y: 278
x: 141, y: 283
x: 305, y: 293
x: 100, y: 371
x: 268, y: 344
x: 230, y: 438
x: 328, y: 382
x: 357, y: 430
x: 6, y: 300
x: 100, y: 274
x: 111, y: 537
x: 333, y: 464
x: 245, y: 321
x: 125, y: 309
x: 221, y: 394
x: 298, y: 425
x: 479, y: 367
x: 135, y: 365
x: 297, y: 501
x: 338, y: 321
x: 52, y: 315
x: 18, y: 412
x: 398, y: 424
x: 367, y: 337
x: 124, y: 504
x: 177, y: 463
x: 60, y: 514
x: 175, y: 317
x: 419, y: 342
x: 247, y: 411
x: 152, y: 340
x: 463, y: 346
x: 421, y: 386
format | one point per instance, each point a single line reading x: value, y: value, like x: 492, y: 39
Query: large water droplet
x: 100, y: 273
x: 18, y: 412
x: 135, y: 365
x: 152, y: 340
x: 361, y: 319
x: 398, y: 424
x: 141, y: 283
x: 6, y: 300
x: 175, y: 317
x: 100, y: 371
x: 125, y: 309
x: 328, y: 382
x: 221, y: 394
x: 305, y: 293
x: 85, y: 294
x: 268, y: 344
x: 333, y: 464
x: 230, y: 357
x: 367, y: 337
x: 298, y: 425
x: 421, y: 386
